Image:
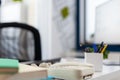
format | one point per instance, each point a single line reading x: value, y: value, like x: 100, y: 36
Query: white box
x: 96, y: 59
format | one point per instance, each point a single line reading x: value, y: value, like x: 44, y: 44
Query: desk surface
x: 108, y: 72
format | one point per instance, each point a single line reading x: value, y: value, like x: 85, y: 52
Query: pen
x: 95, y: 48
x: 100, y: 50
x: 101, y: 45
x: 104, y: 48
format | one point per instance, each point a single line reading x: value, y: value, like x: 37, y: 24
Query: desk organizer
x: 96, y: 59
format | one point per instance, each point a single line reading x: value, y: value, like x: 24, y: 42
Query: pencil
x: 100, y: 46
x: 104, y: 48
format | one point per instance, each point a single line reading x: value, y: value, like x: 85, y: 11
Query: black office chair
x: 15, y: 41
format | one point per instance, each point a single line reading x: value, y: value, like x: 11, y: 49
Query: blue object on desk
x: 95, y: 48
x: 53, y: 78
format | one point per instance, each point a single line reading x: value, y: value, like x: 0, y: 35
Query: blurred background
x: 65, y: 25
x: 54, y: 19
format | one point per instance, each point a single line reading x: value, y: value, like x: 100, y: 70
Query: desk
x: 108, y: 73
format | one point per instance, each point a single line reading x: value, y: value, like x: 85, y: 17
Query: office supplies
x: 101, y: 49
x: 104, y: 48
x: 8, y: 65
x: 71, y: 70
x: 100, y: 46
x: 95, y: 48
x: 26, y: 72
x: 42, y: 65
x: 95, y: 59
x: 65, y: 12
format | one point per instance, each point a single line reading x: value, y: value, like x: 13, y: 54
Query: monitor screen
x: 107, y: 26
x: 98, y: 21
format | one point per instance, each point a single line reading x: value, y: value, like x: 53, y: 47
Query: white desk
x: 108, y: 73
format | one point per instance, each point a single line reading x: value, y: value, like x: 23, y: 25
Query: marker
x: 100, y: 50
x: 101, y: 45
x: 95, y: 48
x: 104, y: 48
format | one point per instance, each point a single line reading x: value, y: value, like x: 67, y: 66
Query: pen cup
x: 96, y: 59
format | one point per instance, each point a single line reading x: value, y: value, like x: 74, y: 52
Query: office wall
x: 58, y: 34
x: 43, y: 18
x: 8, y: 13
x: 29, y: 7
x: 31, y: 15
x: 64, y: 26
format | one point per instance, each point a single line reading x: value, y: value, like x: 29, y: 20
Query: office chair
x: 15, y: 41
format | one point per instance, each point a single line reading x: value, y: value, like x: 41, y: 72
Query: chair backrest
x: 17, y: 35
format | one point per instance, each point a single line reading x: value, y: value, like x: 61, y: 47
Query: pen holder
x: 96, y: 59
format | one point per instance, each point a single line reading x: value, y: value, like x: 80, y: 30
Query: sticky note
x: 65, y: 12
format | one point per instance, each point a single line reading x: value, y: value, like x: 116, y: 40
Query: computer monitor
x: 105, y: 13
x: 107, y: 27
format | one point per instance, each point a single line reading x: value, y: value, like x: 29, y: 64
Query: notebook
x: 8, y: 65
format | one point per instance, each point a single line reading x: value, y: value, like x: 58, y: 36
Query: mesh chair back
x: 19, y: 41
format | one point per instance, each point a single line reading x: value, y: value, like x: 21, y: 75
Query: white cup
x: 96, y: 59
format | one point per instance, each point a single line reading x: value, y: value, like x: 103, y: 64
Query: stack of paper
x: 26, y: 72
x: 8, y: 66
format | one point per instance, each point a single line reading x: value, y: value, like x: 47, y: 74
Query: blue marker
x: 95, y: 48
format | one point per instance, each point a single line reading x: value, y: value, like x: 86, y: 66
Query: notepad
x: 8, y: 65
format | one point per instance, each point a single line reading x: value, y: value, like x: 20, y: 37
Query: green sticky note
x: 8, y: 63
x: 65, y: 12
